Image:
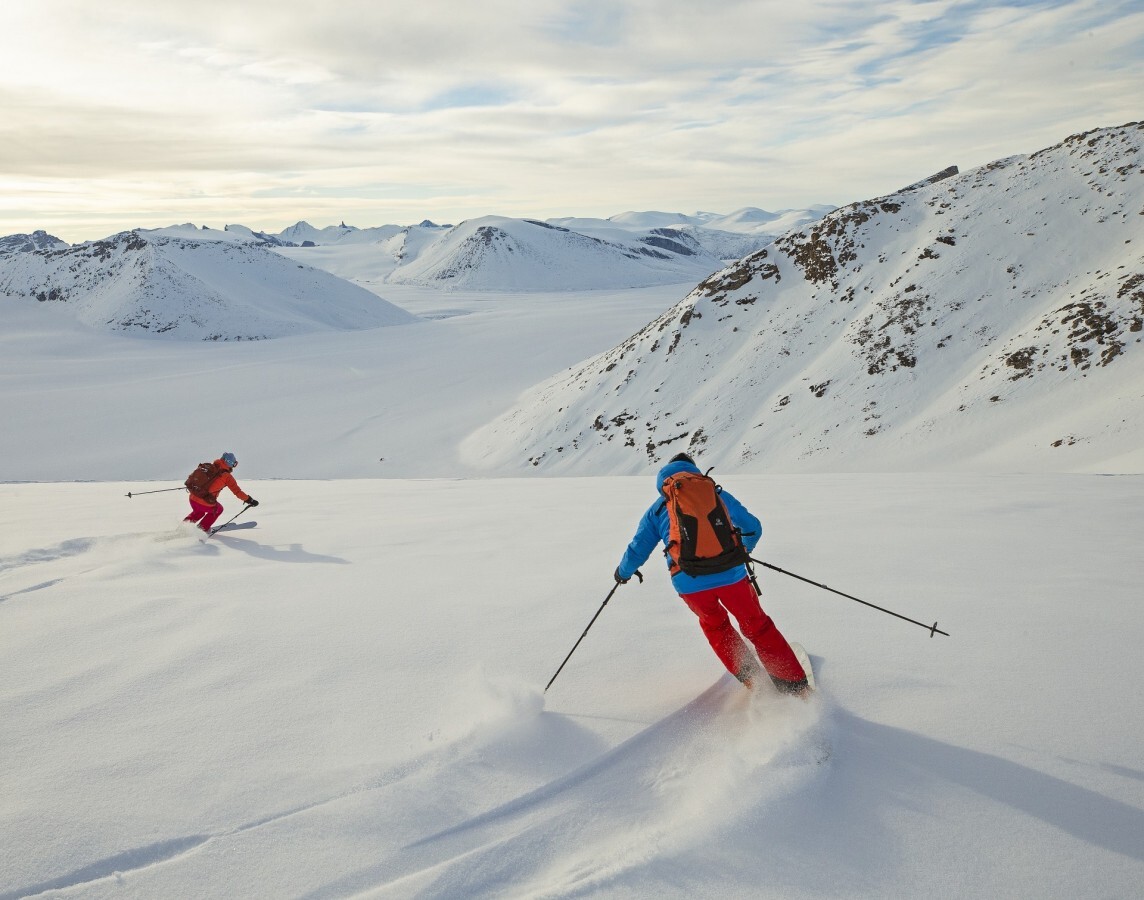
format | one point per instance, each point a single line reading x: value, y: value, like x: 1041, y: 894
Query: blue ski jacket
x: 654, y: 529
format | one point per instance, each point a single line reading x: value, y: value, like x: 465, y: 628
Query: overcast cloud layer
x: 146, y: 112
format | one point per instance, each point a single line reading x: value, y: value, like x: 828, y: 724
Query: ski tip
x: 807, y: 667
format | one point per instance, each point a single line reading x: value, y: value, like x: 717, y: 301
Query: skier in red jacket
x: 205, y: 508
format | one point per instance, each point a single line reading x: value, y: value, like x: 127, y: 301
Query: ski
x: 233, y: 527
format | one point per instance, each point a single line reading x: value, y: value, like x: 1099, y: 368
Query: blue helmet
x: 229, y: 459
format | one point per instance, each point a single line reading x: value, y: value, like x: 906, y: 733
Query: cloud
x: 449, y: 109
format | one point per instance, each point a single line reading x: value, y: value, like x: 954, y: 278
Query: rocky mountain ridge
x: 30, y: 243
x: 1003, y: 304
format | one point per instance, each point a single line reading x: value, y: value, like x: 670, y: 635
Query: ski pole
x: 932, y: 629
x: 228, y: 521
x: 586, y: 630
x: 160, y: 491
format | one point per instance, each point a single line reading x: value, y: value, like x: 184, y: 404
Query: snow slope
x: 346, y: 700
x: 183, y: 284
x: 990, y: 316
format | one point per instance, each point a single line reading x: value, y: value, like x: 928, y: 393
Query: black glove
x: 620, y: 580
x: 250, y: 501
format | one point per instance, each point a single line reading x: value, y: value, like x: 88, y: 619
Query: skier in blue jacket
x: 711, y: 597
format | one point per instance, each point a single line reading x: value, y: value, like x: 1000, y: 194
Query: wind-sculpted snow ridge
x: 999, y: 308
x: 175, y: 284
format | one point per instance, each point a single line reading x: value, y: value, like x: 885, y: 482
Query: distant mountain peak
x: 30, y: 243
x: 500, y: 253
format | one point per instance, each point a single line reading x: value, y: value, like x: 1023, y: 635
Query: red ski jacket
x: 225, y: 480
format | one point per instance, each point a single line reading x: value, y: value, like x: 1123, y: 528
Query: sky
x: 145, y: 113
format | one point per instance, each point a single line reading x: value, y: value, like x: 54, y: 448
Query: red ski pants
x: 741, y: 601
x: 203, y: 514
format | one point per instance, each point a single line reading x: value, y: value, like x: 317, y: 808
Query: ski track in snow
x: 47, y: 554
x: 726, y: 748
x: 113, y: 866
x: 73, y: 558
x: 171, y: 850
x: 127, y: 549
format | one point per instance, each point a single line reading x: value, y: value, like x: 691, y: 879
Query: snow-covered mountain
x: 997, y: 311
x: 726, y: 237
x: 632, y: 249
x: 495, y: 252
x: 250, y: 234
x: 30, y: 243
x: 187, y: 284
x: 487, y: 254
x: 365, y: 256
x: 719, y: 246
x: 748, y: 220
x: 303, y: 234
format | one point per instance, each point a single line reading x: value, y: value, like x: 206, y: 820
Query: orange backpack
x: 702, y: 539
